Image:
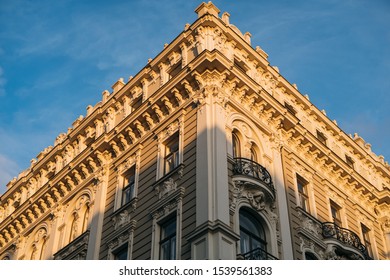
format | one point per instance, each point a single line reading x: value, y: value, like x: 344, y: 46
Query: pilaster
x: 212, y: 193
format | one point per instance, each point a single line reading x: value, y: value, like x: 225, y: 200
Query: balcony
x: 256, y: 254
x: 338, y: 242
x: 345, y: 236
x: 249, y: 171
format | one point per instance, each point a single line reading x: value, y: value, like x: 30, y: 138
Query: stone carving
x: 121, y: 219
x: 310, y: 225
x: 251, y: 193
x: 386, y: 225
x: 256, y: 198
x: 167, y: 187
x: 212, y: 84
x: 331, y: 254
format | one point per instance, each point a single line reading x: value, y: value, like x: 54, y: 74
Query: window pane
x: 171, y: 158
x: 171, y: 161
x: 168, y: 240
x: 128, y: 194
x: 302, y: 193
x: 173, y: 248
x: 236, y: 146
x: 252, y: 234
x: 121, y: 253
x: 128, y: 186
x: 253, y: 154
x: 164, y: 255
x: 245, y: 246
x: 321, y: 137
x: 168, y: 229
x: 366, y: 239
x: 335, y: 214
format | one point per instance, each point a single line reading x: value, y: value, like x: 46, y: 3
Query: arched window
x: 73, y: 227
x: 38, y: 245
x: 310, y: 256
x: 253, y: 154
x: 236, y: 146
x: 252, y: 235
x: 85, y: 219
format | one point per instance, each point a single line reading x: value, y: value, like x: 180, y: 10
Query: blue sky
x: 56, y: 57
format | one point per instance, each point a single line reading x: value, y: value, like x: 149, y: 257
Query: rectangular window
x: 128, y: 190
x: 335, y: 211
x: 168, y: 239
x: 366, y: 239
x: 290, y: 108
x: 137, y: 103
x: 303, y: 193
x: 321, y: 137
x: 121, y: 253
x: 349, y: 161
x: 171, y: 156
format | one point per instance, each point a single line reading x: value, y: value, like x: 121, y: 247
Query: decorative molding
x: 76, y: 250
x: 122, y: 217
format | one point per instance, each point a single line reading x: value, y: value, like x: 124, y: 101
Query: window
x: 349, y: 161
x: 303, y: 193
x: 128, y: 191
x: 236, y: 146
x: 85, y: 219
x: 252, y: 234
x: 171, y: 158
x: 335, y: 212
x: 121, y: 253
x: 310, y: 256
x: 290, y: 108
x: 321, y: 137
x: 366, y: 239
x: 253, y: 154
x: 137, y: 103
x: 168, y: 239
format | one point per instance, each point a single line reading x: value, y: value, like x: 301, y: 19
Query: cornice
x: 176, y: 94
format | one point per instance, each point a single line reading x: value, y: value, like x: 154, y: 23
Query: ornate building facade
x: 207, y: 153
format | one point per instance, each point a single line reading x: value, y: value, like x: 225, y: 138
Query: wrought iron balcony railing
x: 345, y: 236
x: 250, y: 168
x: 329, y: 230
x: 257, y: 254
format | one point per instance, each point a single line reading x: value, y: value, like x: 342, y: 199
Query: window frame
x: 335, y: 212
x: 170, y: 239
x: 366, y: 239
x: 290, y: 108
x: 166, y: 137
x: 350, y: 162
x: 321, y: 137
x: 126, y: 185
x: 252, y: 236
x: 124, y: 248
x: 303, y: 193
x: 123, y: 171
x: 236, y: 145
x: 172, y: 141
